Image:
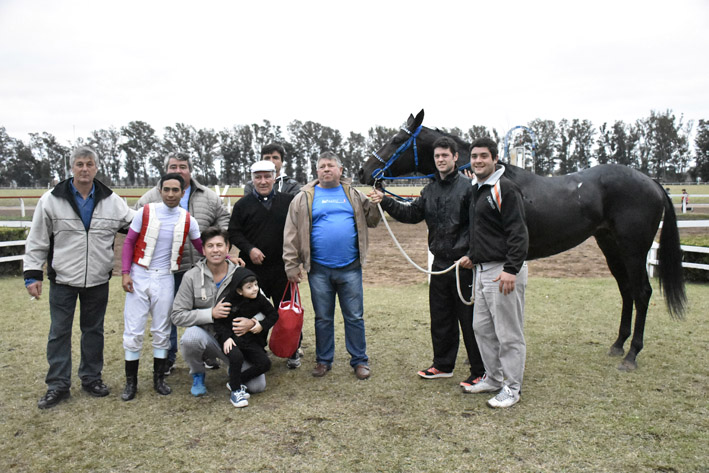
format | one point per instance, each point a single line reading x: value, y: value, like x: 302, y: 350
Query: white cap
x: 263, y: 166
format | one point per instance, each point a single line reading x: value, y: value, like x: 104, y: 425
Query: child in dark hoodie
x: 248, y: 302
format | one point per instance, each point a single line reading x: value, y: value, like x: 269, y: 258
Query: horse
x: 617, y: 205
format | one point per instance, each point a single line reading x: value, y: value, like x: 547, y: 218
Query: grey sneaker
x: 238, y: 398
x: 243, y: 387
x: 505, y: 398
x: 482, y: 386
x: 293, y: 363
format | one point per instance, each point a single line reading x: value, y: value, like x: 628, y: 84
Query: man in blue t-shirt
x: 326, y: 233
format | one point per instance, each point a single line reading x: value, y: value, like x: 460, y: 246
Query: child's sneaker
x: 238, y: 398
x: 198, y: 387
x: 482, y: 386
x: 246, y: 393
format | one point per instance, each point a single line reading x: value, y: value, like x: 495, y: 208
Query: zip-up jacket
x: 197, y: 295
x: 444, y: 204
x: 75, y: 256
x: 299, y: 224
x: 205, y: 206
x: 498, y: 228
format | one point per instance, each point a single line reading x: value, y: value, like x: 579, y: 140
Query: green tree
x: 106, y: 144
x: 668, y: 142
x: 582, y: 133
x: 354, y: 154
x: 54, y: 157
x: 701, y: 148
x: 141, y: 147
x: 8, y: 147
x: 547, y: 139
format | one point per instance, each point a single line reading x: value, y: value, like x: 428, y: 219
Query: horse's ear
x: 417, y: 121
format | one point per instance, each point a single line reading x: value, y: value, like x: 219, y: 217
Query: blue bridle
x: 378, y: 174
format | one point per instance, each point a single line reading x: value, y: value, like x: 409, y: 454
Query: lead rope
x: 455, y: 265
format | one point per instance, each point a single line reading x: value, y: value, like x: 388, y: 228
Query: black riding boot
x: 159, y: 376
x: 131, y: 380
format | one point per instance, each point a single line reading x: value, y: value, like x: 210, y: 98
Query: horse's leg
x: 642, y: 291
x: 609, y: 247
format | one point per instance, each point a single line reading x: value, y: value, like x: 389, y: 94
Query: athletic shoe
x: 52, y: 398
x: 433, y: 373
x: 472, y: 380
x: 293, y: 363
x: 96, y: 388
x: 169, y: 366
x: 212, y: 364
x: 505, y: 398
x: 238, y: 398
x: 198, y: 387
x: 482, y: 386
x: 246, y: 395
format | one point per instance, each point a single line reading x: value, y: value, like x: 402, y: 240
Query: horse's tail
x: 670, y: 267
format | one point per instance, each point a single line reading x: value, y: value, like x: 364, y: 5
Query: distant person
x: 200, y: 302
x: 256, y: 228
x: 205, y: 206
x: 276, y: 154
x: 499, y: 241
x: 326, y: 233
x: 152, y: 253
x: 73, y: 231
x: 685, y: 202
x: 444, y: 205
x: 247, y: 302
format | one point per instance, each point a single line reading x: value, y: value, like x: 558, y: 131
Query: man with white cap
x: 256, y: 228
x: 275, y: 153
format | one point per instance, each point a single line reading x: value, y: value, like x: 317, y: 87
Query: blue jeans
x: 346, y: 283
x: 62, y: 304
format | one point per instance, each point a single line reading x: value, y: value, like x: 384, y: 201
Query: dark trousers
x: 92, y: 309
x: 447, y: 313
x: 257, y: 357
x: 273, y: 281
x: 172, y: 351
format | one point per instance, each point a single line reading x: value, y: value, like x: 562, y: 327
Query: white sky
x: 69, y: 67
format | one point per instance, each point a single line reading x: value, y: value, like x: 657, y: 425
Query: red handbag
x: 285, y: 335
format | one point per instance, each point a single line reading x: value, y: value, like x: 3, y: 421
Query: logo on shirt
x: 491, y: 202
x: 333, y: 201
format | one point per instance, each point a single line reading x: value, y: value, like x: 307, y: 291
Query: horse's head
x: 398, y: 156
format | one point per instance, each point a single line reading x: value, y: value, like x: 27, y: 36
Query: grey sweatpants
x: 498, y: 322
x: 197, y: 344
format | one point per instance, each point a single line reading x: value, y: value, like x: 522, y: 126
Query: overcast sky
x: 69, y: 67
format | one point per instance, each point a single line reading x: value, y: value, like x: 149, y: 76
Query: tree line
x: 658, y: 145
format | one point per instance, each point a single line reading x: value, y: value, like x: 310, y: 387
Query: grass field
x: 578, y: 412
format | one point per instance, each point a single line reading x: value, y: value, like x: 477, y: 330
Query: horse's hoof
x: 615, y: 351
x: 628, y: 365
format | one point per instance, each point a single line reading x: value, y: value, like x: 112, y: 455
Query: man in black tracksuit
x: 444, y: 204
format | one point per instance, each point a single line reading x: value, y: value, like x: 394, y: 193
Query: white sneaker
x: 505, y: 398
x: 481, y: 387
x: 238, y: 398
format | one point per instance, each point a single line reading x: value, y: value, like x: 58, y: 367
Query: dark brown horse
x: 619, y: 206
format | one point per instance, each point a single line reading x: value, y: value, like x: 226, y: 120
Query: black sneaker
x: 211, y: 364
x: 169, y: 366
x: 96, y: 388
x: 52, y: 398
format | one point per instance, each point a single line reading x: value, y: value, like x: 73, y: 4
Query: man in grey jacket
x: 205, y: 206
x: 73, y: 230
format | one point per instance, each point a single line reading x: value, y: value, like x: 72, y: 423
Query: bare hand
x: 35, y: 289
x: 468, y: 173
x: 228, y: 345
x: 256, y: 256
x: 465, y: 263
x: 376, y: 196
x: 295, y: 277
x: 242, y: 325
x: 221, y: 310
x: 507, y: 282
x: 127, y: 283
x: 240, y: 262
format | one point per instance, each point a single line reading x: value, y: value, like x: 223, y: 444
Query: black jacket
x: 444, y: 204
x: 498, y: 235
x: 253, y: 225
x: 242, y: 307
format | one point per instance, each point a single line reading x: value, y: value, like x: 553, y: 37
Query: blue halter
x: 378, y: 174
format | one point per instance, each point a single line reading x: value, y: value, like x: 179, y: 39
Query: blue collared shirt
x: 86, y: 206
